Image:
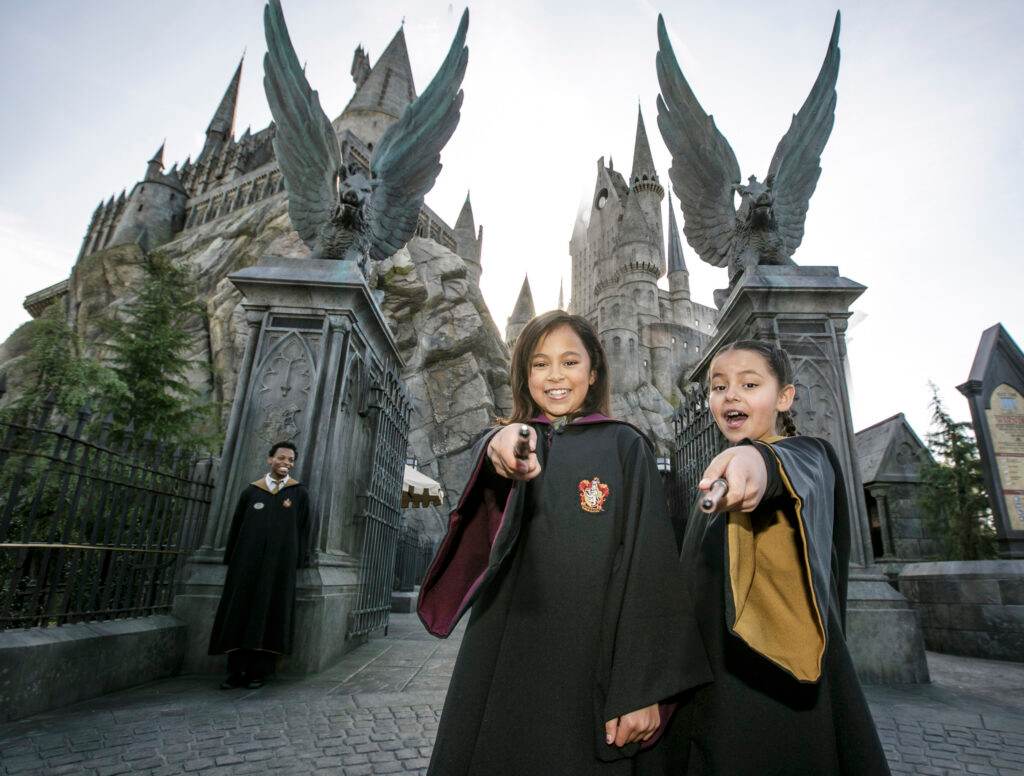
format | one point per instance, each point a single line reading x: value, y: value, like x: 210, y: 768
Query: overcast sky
x: 917, y: 199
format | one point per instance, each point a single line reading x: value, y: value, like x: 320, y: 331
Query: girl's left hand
x: 743, y: 468
x: 638, y: 725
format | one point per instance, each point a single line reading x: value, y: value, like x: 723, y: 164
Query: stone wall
x: 972, y: 608
x: 45, y: 668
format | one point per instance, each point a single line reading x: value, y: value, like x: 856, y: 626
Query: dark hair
x: 599, y: 397
x: 778, y: 364
x: 278, y: 445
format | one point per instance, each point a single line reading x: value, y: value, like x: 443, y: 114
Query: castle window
x: 632, y: 346
x: 673, y: 340
x: 617, y: 344
x: 142, y: 189
x: 615, y: 312
x: 645, y: 362
x: 602, y: 199
x: 140, y: 208
x: 686, y: 345
x: 698, y: 348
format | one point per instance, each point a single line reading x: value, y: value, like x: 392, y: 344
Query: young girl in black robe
x: 768, y: 575
x: 566, y: 557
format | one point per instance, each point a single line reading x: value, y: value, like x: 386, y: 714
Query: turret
x: 383, y: 92
x: 522, y: 313
x: 678, y: 275
x: 222, y: 125
x: 644, y: 184
x: 156, y: 165
x: 154, y: 211
x: 469, y: 240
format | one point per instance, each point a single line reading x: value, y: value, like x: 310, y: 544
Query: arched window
x: 617, y: 344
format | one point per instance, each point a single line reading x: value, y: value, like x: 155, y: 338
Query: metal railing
x: 87, y: 531
x: 414, y: 554
x: 383, y: 502
x: 697, y: 441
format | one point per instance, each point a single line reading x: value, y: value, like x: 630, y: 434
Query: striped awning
x: 418, y: 490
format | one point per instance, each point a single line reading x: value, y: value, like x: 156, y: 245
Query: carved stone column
x: 316, y: 337
x: 805, y: 310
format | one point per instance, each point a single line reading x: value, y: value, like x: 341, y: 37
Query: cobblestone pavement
x: 376, y: 712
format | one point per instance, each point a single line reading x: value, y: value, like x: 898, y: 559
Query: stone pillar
x: 316, y: 339
x: 805, y: 310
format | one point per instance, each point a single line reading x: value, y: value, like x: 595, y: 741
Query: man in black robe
x: 255, y: 620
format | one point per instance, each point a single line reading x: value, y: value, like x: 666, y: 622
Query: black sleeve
x: 236, y: 526
x: 775, y: 486
x: 651, y: 642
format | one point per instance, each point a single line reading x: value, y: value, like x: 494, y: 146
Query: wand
x: 522, y: 450
x: 715, y: 494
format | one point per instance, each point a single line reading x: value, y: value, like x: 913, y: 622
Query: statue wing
x: 407, y: 160
x: 704, y: 168
x: 796, y: 164
x: 306, y: 146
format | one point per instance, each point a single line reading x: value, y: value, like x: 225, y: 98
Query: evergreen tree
x: 148, y: 351
x: 954, y: 500
x: 57, y: 367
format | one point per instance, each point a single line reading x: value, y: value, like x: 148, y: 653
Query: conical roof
x: 643, y: 162
x: 465, y: 219
x: 634, y: 226
x: 389, y: 87
x: 675, y: 245
x: 524, y: 309
x: 158, y: 157
x: 223, y: 120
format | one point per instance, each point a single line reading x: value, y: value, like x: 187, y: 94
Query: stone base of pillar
x: 324, y: 596
x: 883, y: 632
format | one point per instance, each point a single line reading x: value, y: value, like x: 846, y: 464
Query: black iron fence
x: 414, y: 554
x: 91, y: 529
x: 698, y: 440
x: 382, y: 502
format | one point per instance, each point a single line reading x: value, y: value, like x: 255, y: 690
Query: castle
x: 230, y: 174
x: 651, y: 335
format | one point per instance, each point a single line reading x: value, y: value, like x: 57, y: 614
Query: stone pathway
x: 376, y: 712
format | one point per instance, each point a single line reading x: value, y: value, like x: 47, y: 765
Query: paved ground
x: 376, y: 712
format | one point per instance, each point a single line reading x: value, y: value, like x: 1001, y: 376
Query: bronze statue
x: 769, y: 224
x: 339, y: 210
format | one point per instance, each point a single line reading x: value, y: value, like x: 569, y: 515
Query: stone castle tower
x: 230, y: 174
x: 652, y: 335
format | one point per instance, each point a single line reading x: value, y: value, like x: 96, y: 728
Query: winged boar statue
x: 768, y: 226
x: 339, y: 210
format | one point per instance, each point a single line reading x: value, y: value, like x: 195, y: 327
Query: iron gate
x: 698, y: 440
x: 382, y: 510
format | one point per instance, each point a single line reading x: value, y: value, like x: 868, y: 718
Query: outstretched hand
x: 743, y: 469
x: 638, y: 725
x: 502, y: 453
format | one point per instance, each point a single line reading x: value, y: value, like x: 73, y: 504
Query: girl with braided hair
x: 768, y: 574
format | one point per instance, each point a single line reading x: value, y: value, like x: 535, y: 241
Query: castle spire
x: 561, y: 293
x: 385, y: 89
x: 522, y: 313
x: 155, y: 165
x: 643, y: 162
x: 465, y: 219
x: 222, y: 125
x: 675, y: 245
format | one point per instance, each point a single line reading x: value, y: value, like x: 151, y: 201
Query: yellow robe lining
x: 261, y: 483
x: 770, y: 573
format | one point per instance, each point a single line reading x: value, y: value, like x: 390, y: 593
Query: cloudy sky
x: 917, y: 199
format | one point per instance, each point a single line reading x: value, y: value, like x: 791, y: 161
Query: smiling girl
x: 768, y: 577
x: 566, y: 557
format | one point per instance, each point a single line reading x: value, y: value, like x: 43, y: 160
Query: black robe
x: 264, y: 549
x: 573, y: 585
x: 770, y: 592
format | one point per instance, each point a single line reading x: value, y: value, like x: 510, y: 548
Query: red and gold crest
x: 593, y: 492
